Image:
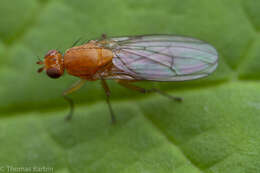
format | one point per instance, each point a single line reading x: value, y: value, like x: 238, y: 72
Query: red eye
x: 53, y: 73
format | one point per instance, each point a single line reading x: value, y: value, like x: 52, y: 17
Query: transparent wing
x: 163, y: 57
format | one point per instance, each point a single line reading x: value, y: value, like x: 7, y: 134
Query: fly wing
x: 163, y: 57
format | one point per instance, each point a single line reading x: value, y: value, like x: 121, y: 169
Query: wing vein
x: 173, y: 56
x: 144, y: 48
x: 134, y: 72
x: 163, y: 57
x: 173, y: 70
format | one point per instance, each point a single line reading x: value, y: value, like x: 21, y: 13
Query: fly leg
x: 107, y: 91
x: 74, y: 87
x: 152, y: 90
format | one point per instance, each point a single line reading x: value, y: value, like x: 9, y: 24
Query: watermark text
x: 13, y: 169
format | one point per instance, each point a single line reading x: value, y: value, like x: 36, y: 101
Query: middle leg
x: 107, y: 92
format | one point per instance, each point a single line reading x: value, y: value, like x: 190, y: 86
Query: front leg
x: 72, y: 89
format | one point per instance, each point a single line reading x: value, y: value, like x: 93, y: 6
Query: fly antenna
x: 39, y: 61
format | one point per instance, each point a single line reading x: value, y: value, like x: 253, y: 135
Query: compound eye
x: 53, y: 73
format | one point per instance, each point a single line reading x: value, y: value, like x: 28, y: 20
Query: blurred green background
x: 215, y: 129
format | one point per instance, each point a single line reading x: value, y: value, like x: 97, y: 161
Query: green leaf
x: 214, y: 130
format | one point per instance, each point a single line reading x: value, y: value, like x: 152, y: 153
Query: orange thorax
x: 85, y: 60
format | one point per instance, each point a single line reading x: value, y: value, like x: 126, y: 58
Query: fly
x: 131, y: 59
